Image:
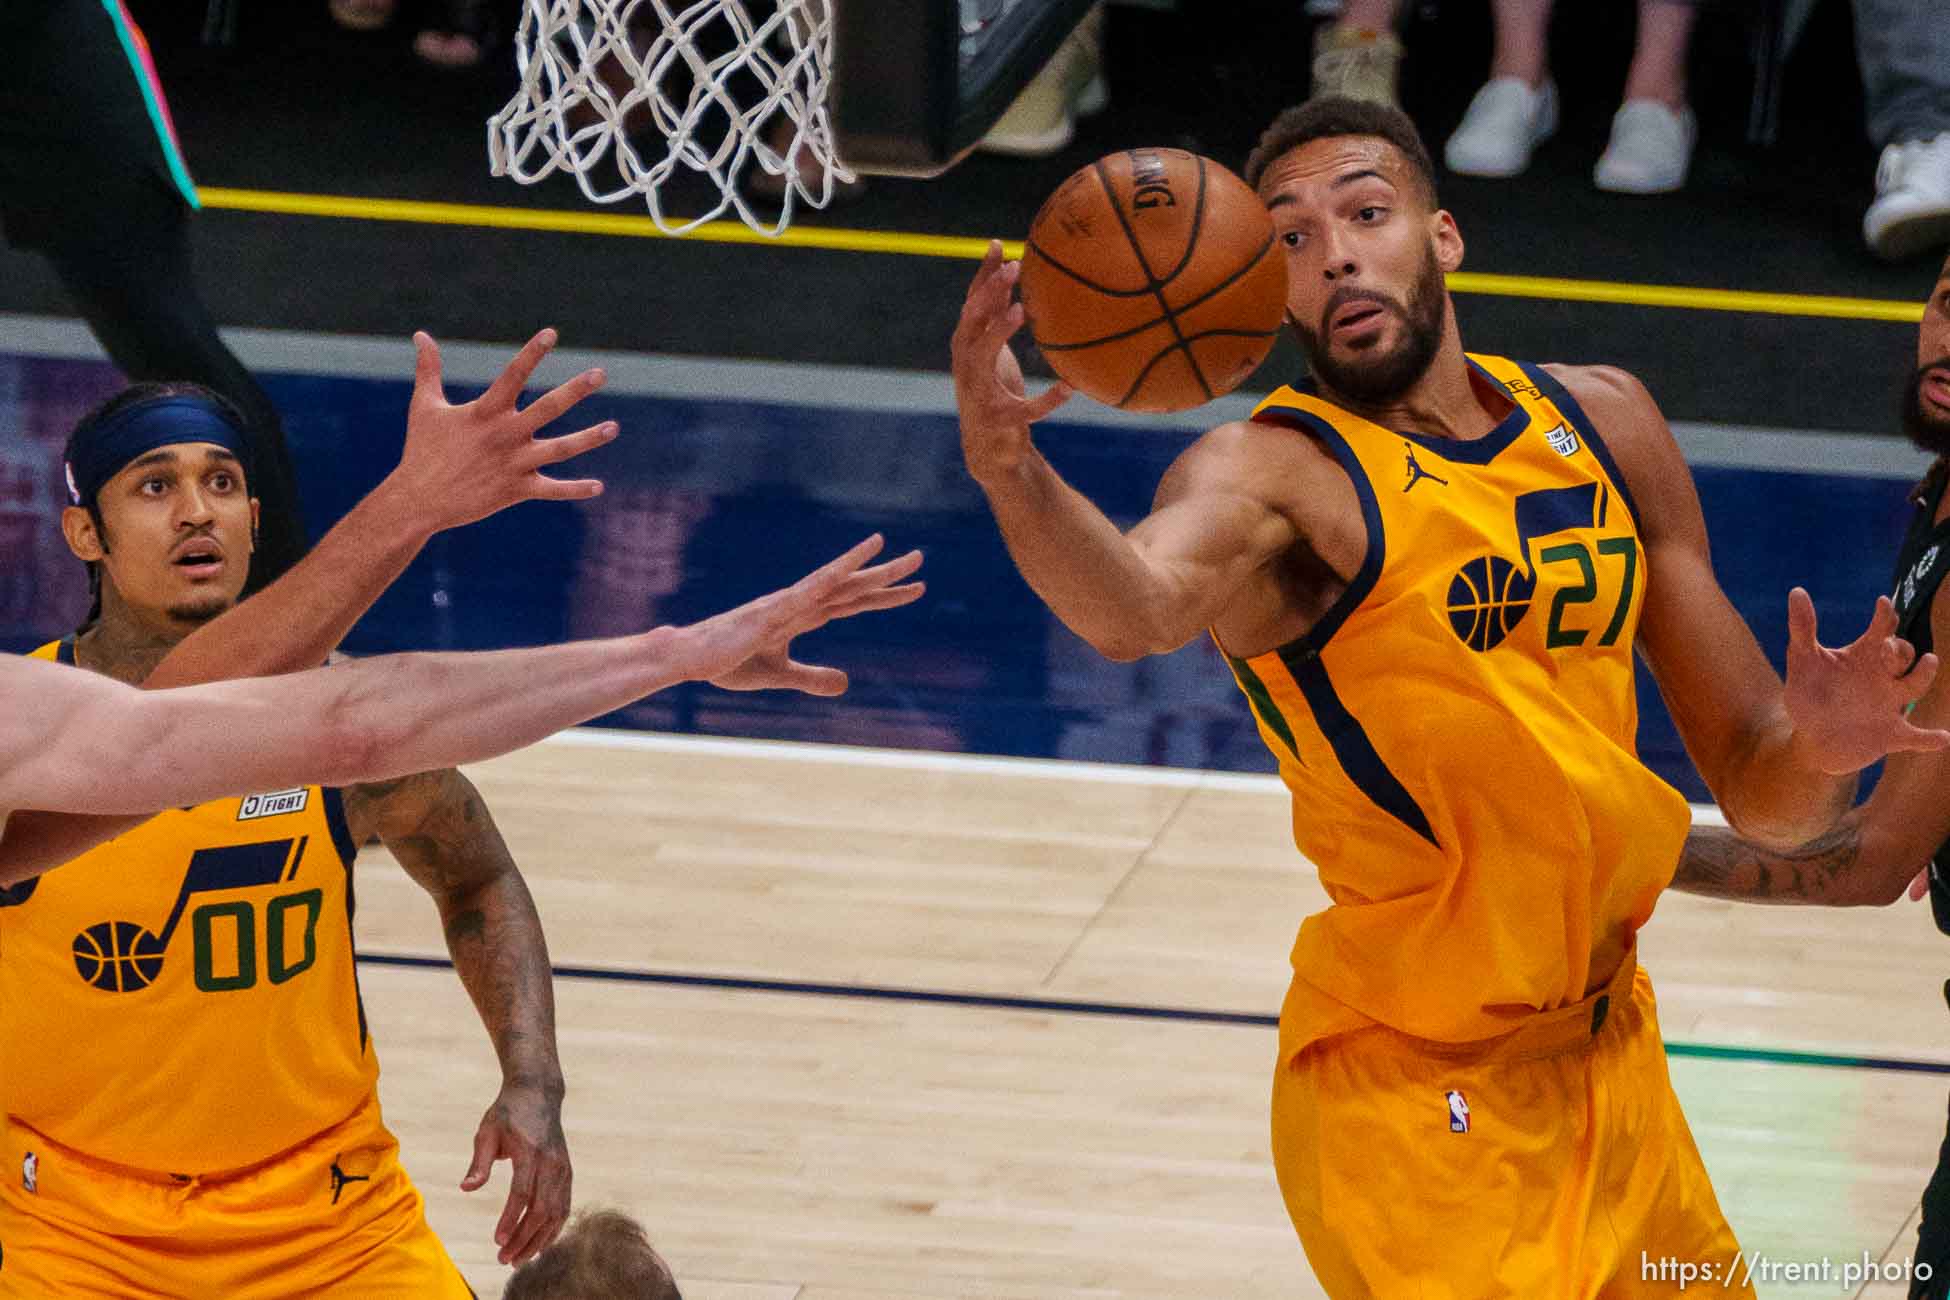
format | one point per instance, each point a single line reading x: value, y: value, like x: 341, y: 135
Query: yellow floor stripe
x: 969, y: 248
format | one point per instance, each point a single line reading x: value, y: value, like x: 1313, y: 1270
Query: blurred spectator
x: 1904, y: 49
x: 1652, y: 134
x: 457, y: 33
x: 601, y: 1255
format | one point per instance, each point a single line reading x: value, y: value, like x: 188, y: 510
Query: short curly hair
x: 602, y: 1255
x: 1335, y: 116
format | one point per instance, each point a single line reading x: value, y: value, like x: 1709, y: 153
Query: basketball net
x: 629, y: 96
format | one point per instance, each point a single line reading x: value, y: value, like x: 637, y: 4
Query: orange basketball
x: 1151, y: 280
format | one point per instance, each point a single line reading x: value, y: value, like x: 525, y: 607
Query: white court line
x: 908, y: 760
x: 861, y: 388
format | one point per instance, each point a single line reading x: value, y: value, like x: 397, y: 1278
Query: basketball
x: 1151, y: 281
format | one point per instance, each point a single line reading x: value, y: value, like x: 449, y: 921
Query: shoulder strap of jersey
x: 1923, y: 561
x: 61, y: 651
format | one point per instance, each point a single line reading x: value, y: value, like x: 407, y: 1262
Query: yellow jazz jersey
x: 183, y: 999
x: 1459, y: 731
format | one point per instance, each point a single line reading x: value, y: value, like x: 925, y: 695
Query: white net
x: 636, y: 96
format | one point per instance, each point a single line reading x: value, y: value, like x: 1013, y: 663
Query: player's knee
x: 601, y: 1255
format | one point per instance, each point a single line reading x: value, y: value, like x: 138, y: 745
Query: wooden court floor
x: 820, y: 1144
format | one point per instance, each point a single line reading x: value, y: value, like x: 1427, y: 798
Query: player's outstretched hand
x: 1849, y: 704
x: 464, y: 463
x: 996, y: 410
x: 524, y: 1127
x: 750, y: 648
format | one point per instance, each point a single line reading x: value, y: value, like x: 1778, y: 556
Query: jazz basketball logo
x: 126, y: 957
x: 1488, y: 597
x: 1458, y: 1112
x: 30, y: 1172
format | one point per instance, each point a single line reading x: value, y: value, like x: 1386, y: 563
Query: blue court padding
x: 711, y: 502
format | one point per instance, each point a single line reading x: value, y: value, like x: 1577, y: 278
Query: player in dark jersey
x: 1923, y: 611
x: 1905, y: 825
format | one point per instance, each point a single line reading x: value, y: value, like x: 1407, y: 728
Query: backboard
x: 917, y: 82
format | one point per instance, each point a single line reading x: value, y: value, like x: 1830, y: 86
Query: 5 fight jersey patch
x: 275, y: 804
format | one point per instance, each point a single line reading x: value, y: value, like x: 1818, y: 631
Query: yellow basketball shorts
x: 334, y: 1217
x: 1553, y: 1161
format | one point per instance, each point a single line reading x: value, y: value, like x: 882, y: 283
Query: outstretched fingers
x: 891, y: 572
x: 1882, y: 623
x: 818, y: 584
x: 879, y: 587
x: 506, y: 388
x: 1916, y: 683
x: 1000, y: 324
x: 427, y: 386
x: 553, y: 404
x: 992, y: 261
x: 553, y: 451
x: 1051, y: 398
x: 1801, y: 622
x: 873, y: 601
x: 812, y: 679
x: 543, y: 488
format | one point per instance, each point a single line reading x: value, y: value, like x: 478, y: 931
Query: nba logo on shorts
x: 1458, y: 1112
x: 30, y: 1173
x: 1562, y: 440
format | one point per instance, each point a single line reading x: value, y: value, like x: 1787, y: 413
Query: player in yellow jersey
x: 181, y: 991
x: 1429, y: 572
x: 207, y: 1124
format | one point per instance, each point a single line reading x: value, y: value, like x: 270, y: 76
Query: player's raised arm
x: 1781, y: 761
x: 460, y: 464
x: 1872, y: 853
x: 77, y: 742
x: 1146, y: 593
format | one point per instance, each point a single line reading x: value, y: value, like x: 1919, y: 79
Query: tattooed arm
x: 1871, y: 854
x: 1826, y: 870
x: 440, y: 830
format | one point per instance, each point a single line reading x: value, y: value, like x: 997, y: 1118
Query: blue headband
x: 107, y: 449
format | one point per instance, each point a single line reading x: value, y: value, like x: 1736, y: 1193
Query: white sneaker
x: 1650, y: 150
x: 1911, y: 213
x: 1505, y: 122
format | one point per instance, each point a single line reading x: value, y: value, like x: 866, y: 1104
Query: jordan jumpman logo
x: 1415, y: 471
x: 340, y: 1178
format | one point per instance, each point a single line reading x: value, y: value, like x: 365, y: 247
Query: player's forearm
x: 1849, y: 865
x: 297, y: 621
x: 1090, y: 575
x: 38, y: 841
x: 495, y: 937
x: 360, y: 721
x: 1776, y: 795
x: 400, y: 714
